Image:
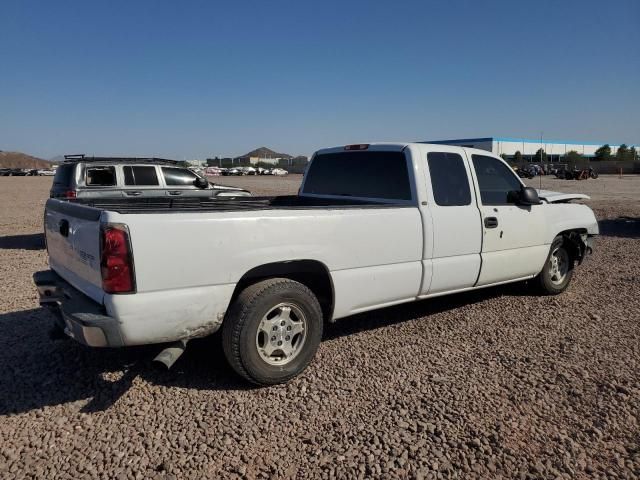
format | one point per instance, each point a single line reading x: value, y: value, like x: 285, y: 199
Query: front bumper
x: 83, y: 319
x: 590, y: 243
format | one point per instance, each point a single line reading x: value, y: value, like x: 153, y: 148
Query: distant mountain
x: 21, y: 160
x: 264, y: 152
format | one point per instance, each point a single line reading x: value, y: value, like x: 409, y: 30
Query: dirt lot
x: 493, y: 384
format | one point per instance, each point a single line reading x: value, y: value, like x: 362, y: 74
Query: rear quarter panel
x: 373, y: 255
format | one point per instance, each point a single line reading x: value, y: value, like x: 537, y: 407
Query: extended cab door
x: 451, y: 222
x: 513, y: 235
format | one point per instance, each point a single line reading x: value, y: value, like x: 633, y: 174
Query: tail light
x: 70, y: 194
x: 116, y: 260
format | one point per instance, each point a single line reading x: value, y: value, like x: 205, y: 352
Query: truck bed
x: 194, y: 204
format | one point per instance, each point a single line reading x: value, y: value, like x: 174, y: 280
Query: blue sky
x: 193, y: 79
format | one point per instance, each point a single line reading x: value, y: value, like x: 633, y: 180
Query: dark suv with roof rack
x: 116, y: 177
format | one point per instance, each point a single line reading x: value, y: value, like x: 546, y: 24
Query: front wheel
x: 272, y: 331
x: 557, y: 271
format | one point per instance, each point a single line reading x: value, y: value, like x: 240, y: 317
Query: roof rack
x: 82, y: 158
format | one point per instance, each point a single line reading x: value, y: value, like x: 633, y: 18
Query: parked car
x: 37, y: 172
x: 249, y: 171
x: 279, y: 171
x: 46, y: 172
x: 271, y: 271
x: 4, y: 172
x: 232, y: 172
x: 91, y: 177
x: 577, y: 174
x: 213, y: 171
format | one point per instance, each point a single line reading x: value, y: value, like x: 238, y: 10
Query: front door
x: 180, y: 183
x: 513, y: 235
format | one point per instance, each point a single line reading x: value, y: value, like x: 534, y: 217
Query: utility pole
x: 541, y: 153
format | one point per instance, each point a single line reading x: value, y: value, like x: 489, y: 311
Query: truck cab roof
x: 398, y: 147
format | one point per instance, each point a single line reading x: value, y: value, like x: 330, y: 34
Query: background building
x: 195, y: 163
x: 555, y: 149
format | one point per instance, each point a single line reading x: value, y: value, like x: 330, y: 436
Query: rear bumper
x: 83, y: 319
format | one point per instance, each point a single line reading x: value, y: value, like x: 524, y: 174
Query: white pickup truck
x: 373, y: 225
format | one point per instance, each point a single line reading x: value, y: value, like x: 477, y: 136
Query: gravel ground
x: 492, y: 384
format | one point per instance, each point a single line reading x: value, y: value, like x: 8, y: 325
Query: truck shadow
x: 38, y: 371
x: 32, y: 241
x: 410, y: 311
x: 627, y: 227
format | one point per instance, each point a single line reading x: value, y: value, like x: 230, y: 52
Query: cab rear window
x: 364, y: 174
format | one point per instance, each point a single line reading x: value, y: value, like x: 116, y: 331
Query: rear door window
x: 100, y: 176
x: 449, y: 179
x: 364, y: 174
x: 179, y: 177
x: 140, y: 176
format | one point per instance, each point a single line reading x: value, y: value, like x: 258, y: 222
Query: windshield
x: 364, y: 174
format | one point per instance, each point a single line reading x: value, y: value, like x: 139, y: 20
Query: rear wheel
x: 272, y: 331
x: 557, y: 271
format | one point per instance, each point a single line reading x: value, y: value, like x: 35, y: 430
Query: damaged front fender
x: 579, y: 244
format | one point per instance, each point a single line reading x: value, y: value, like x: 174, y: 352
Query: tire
x: 552, y: 280
x: 262, y: 307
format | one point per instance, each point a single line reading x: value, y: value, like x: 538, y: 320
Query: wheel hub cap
x: 281, y: 334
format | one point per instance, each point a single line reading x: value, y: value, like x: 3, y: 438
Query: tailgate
x: 73, y: 243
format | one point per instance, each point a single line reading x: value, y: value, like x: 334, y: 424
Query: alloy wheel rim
x: 558, y: 265
x: 281, y: 334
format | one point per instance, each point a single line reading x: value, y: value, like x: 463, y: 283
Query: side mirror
x: 201, y: 182
x: 528, y: 196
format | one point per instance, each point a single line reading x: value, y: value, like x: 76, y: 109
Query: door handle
x: 175, y: 192
x: 490, y: 222
x: 134, y: 194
